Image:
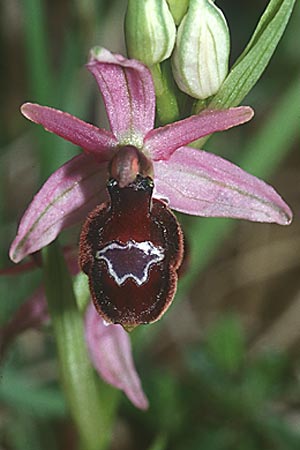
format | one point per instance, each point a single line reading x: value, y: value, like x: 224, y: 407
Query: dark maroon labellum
x: 131, y: 249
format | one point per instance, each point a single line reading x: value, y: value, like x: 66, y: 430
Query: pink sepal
x: 203, y: 184
x: 87, y: 136
x: 110, y: 351
x: 128, y: 92
x: 162, y: 142
x: 65, y: 199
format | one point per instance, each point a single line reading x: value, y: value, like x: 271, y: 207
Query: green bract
x: 150, y: 31
x: 253, y: 61
x: 200, y: 59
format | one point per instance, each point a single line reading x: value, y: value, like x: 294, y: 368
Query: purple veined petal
x: 83, y: 134
x: 162, y: 142
x: 31, y: 314
x: 110, y: 350
x: 128, y: 92
x: 65, y: 199
x: 200, y: 183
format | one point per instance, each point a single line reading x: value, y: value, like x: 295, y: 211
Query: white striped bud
x: 150, y: 30
x: 200, y: 59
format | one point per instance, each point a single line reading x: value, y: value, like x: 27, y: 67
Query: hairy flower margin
x: 191, y: 181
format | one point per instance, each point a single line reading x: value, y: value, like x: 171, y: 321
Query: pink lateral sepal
x: 203, y: 184
x: 65, y: 199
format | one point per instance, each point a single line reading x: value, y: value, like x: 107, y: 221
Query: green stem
x: 166, y: 100
x: 91, y: 414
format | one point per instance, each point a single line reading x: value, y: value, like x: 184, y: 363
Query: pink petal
x: 66, y: 198
x: 162, y: 142
x: 203, y: 184
x: 110, y: 351
x: 85, y: 135
x: 128, y: 92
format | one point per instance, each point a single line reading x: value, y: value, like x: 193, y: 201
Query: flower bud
x: 150, y: 30
x: 200, y: 59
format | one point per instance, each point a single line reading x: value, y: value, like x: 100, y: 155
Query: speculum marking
x: 131, y: 260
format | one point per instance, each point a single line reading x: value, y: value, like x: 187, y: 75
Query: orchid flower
x: 158, y: 167
x: 137, y: 166
x: 193, y: 181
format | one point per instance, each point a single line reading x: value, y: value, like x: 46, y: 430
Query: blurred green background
x: 221, y: 369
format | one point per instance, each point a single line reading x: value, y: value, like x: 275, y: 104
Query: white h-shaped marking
x: 130, y: 260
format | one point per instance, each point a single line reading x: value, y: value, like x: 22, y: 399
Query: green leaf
x: 251, y: 64
x: 91, y: 415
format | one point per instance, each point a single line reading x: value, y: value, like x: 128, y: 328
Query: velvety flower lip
x: 192, y: 181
